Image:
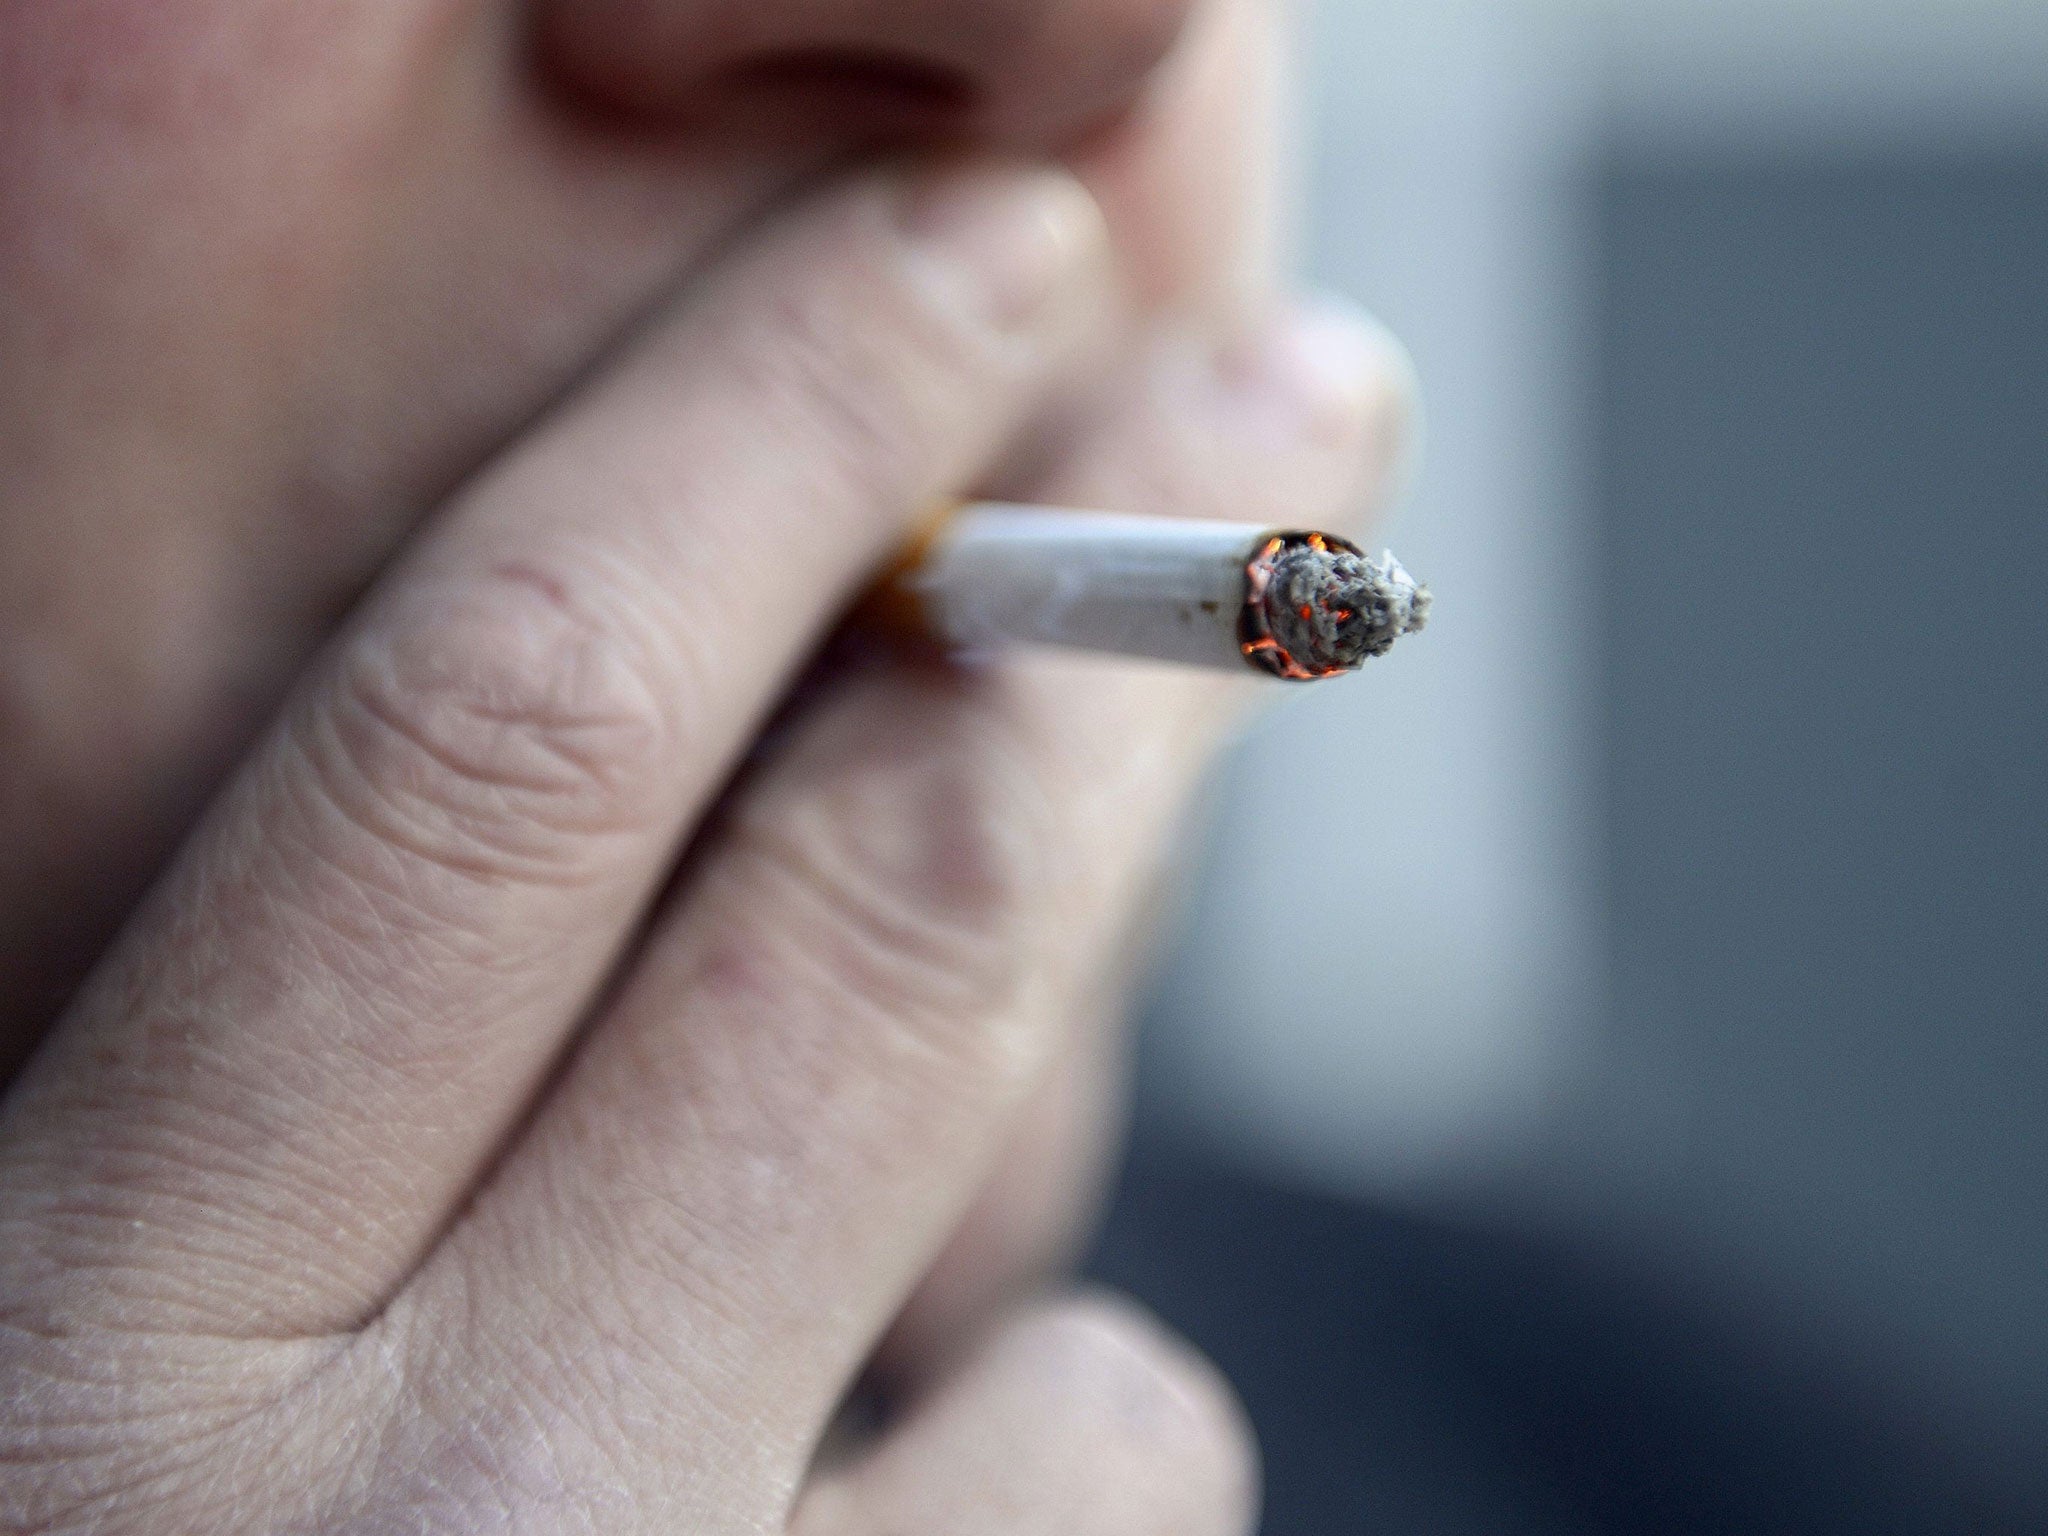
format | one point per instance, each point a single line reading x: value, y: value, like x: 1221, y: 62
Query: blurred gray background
x: 1719, y: 787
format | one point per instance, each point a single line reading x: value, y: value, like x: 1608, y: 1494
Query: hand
x: 242, y: 351
x: 248, y: 570
x: 412, y: 1163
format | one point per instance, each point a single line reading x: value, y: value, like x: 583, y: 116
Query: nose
x: 1015, y: 70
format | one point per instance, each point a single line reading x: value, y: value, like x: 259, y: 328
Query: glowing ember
x: 1317, y: 606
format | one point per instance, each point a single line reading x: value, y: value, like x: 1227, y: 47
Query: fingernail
x: 1003, y: 239
x: 1332, y: 370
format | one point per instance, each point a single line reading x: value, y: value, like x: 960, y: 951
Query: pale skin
x: 543, y: 1071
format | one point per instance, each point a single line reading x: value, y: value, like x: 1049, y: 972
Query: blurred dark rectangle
x: 1824, y: 422
x: 1824, y: 513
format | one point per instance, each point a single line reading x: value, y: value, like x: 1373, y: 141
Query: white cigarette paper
x: 1230, y: 595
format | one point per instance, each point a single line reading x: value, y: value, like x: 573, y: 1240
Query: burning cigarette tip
x: 1320, y: 606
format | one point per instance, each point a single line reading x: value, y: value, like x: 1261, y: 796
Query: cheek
x: 186, y: 189
x: 182, y: 110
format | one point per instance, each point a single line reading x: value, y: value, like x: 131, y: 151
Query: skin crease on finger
x: 274, y: 276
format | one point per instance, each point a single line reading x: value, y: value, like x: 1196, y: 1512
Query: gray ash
x: 1328, y: 608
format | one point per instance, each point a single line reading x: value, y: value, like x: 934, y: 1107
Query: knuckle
x: 912, y: 841
x: 861, y: 371
x: 499, y: 727
x: 1155, y: 1405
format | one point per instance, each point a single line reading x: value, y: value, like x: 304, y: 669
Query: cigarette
x: 1289, y: 604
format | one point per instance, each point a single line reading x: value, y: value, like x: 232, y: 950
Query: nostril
x: 1023, y: 71
x: 897, y: 83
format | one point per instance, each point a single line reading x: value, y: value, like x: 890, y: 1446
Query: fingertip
x: 1140, y: 1395
x: 1339, y: 369
x: 1322, y: 377
x: 1106, y: 1338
